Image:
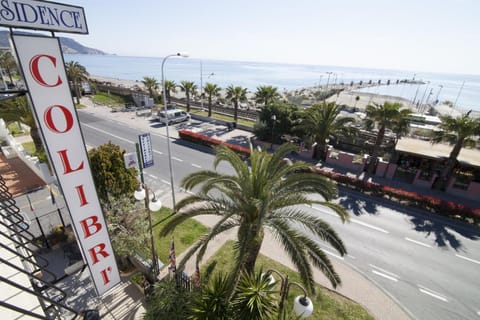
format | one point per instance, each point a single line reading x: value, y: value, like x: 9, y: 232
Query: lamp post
x: 185, y: 55
x: 302, y: 305
x: 274, y: 118
x: 201, y: 83
x: 438, y: 94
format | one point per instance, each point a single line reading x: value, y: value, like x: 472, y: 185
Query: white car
x: 173, y: 116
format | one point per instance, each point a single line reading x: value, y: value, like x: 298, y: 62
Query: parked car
x: 173, y: 116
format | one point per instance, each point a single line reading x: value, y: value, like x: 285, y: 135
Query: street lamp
x: 185, y: 55
x: 201, y: 83
x: 302, y: 305
x: 142, y: 193
x: 274, y: 118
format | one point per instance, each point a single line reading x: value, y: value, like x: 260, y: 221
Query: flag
x: 171, y: 257
x: 197, y: 281
x: 30, y: 204
x: 52, y: 196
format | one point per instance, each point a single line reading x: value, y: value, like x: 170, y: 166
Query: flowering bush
x: 211, y: 142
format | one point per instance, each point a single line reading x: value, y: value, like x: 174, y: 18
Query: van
x: 174, y: 116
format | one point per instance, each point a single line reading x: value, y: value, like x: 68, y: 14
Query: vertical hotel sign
x: 43, y: 68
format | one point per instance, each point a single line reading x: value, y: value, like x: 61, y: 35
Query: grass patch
x: 218, y: 116
x: 108, y: 99
x: 14, y: 129
x: 327, y: 304
x: 184, y: 235
x: 29, y: 147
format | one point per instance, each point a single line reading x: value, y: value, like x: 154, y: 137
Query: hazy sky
x: 417, y: 35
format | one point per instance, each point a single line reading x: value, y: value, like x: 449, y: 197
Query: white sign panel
x: 130, y: 160
x: 146, y: 149
x: 43, y: 68
x: 42, y: 15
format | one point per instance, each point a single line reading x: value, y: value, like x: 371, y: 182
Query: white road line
x: 177, y: 159
x: 432, y: 293
x: 333, y: 254
x: 165, y: 181
x: 151, y: 175
x: 351, y: 256
x: 368, y: 225
x: 384, y: 275
x: 478, y: 313
x: 383, y: 270
x: 108, y: 133
x: 418, y: 242
x: 468, y: 259
x: 159, y: 152
x: 323, y: 211
x: 196, y: 166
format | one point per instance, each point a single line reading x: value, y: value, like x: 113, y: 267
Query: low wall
x: 344, y: 160
x: 472, y: 192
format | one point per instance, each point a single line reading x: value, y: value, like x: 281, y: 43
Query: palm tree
x: 265, y: 194
x: 18, y: 110
x: 212, y: 90
x: 322, y: 122
x: 7, y: 62
x: 212, y: 303
x: 388, y: 115
x: 236, y: 95
x: 151, y: 84
x: 266, y: 95
x: 76, y: 73
x: 170, y: 86
x: 460, y: 132
x: 189, y: 88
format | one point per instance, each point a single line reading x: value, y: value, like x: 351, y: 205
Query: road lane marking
x: 108, y: 133
x: 333, y: 254
x: 323, y: 211
x: 418, y: 242
x: 159, y: 152
x: 468, y: 259
x: 152, y: 176
x: 368, y: 225
x: 165, y: 181
x: 351, y: 256
x: 384, y: 271
x: 177, y: 159
x: 478, y: 312
x: 196, y: 166
x: 432, y: 293
x: 384, y: 275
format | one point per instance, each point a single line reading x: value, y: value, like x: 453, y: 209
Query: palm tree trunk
x: 442, y: 181
x: 252, y: 255
x: 37, y: 140
x: 209, y: 107
x: 77, y: 91
x: 235, y: 111
x: 376, y: 147
x: 187, y: 94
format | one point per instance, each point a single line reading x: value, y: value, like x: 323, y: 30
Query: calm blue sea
x: 459, y: 88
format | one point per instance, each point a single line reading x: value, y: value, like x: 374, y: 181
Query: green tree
x: 112, y: 179
x: 212, y: 90
x: 76, y: 74
x: 151, y: 84
x: 322, y: 122
x: 285, y: 114
x: 18, y: 109
x: 189, y: 88
x: 128, y: 229
x: 388, y: 115
x: 265, y: 193
x: 236, y: 95
x: 266, y: 95
x: 170, y: 86
x: 462, y: 131
x: 169, y: 301
x: 7, y: 62
x: 212, y: 303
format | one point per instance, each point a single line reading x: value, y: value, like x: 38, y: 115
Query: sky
x: 417, y: 35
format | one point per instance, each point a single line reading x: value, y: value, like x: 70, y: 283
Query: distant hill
x: 69, y: 46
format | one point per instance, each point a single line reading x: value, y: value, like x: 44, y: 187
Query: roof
x: 437, y: 151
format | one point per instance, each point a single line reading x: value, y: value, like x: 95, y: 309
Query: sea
x: 462, y: 90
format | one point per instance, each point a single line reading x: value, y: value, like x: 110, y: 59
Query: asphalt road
x: 429, y: 265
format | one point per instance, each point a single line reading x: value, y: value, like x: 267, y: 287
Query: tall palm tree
x: 212, y: 90
x: 382, y: 116
x: 265, y: 194
x: 76, y: 73
x: 170, y: 86
x: 236, y: 95
x: 460, y: 132
x: 266, y: 94
x: 321, y: 122
x: 151, y: 84
x: 189, y: 88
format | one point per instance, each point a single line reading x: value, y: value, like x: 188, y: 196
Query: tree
x: 169, y: 301
x: 322, y: 122
x: 112, y: 179
x: 151, y: 84
x: 266, y: 94
x: 7, y: 62
x: 189, y: 88
x: 236, y: 95
x: 459, y: 132
x: 388, y: 115
x: 285, y: 113
x: 170, y: 86
x: 76, y: 73
x: 212, y: 90
x: 212, y: 303
x: 265, y: 194
x: 18, y: 109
